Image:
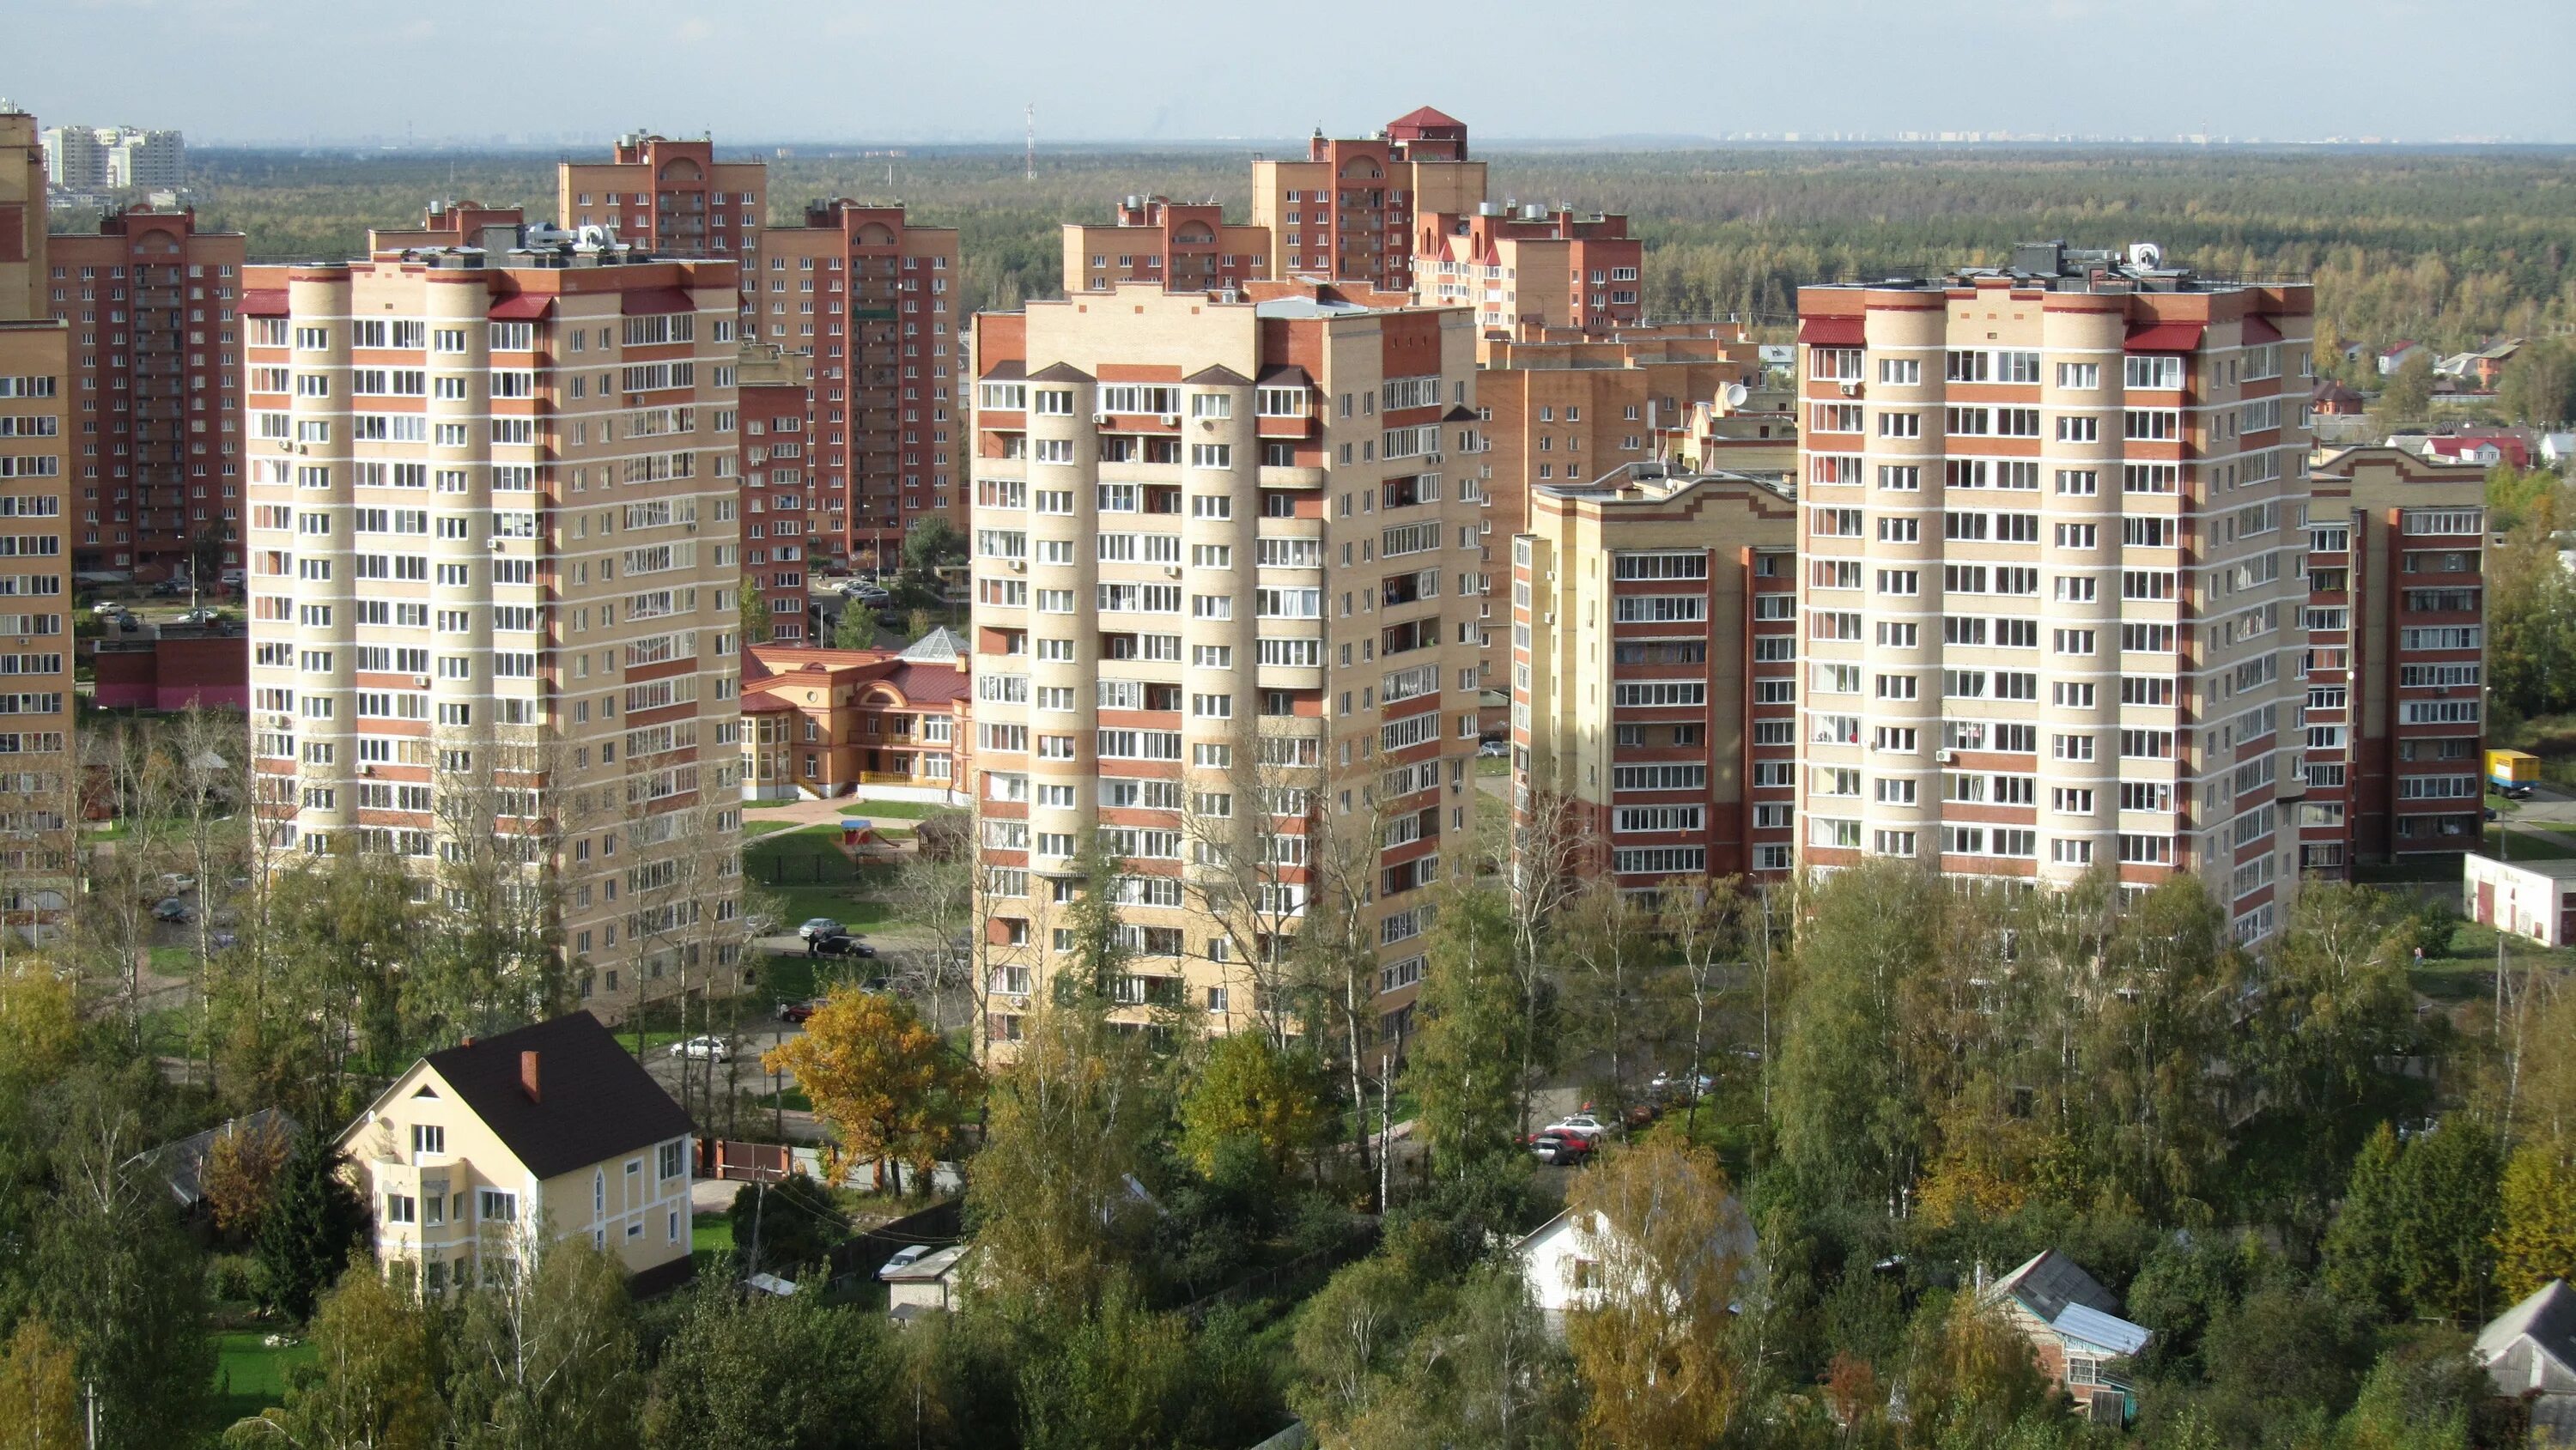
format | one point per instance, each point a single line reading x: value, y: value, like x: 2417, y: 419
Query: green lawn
x: 2518, y: 843
x: 250, y: 1376
x: 710, y: 1241
x: 912, y: 810
x: 808, y: 873
x: 753, y: 830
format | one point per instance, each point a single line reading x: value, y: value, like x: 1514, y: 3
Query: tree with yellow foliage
x: 880, y: 1077
x: 1670, y: 1248
x: 2535, y: 1240
x: 39, y: 1404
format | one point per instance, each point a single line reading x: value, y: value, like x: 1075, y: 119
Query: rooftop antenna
x: 1029, y: 170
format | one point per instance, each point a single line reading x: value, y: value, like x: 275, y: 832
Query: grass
x: 2524, y: 844
x: 911, y: 810
x: 710, y: 1241
x: 1493, y: 765
x: 753, y: 830
x: 807, y: 871
x: 250, y: 1376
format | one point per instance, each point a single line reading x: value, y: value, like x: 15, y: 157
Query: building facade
x: 114, y: 158
x: 1654, y: 674
x: 671, y: 197
x: 1180, y: 246
x: 1531, y: 266
x: 2396, y: 677
x: 825, y: 722
x: 1225, y: 622
x: 878, y: 304
x: 2052, y: 578
x: 39, y: 771
x: 446, y: 223
x: 777, y: 483
x: 493, y: 559
x: 152, y: 304
x: 1346, y: 211
x: 22, y: 217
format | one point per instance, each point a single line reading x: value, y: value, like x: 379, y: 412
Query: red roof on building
x: 522, y: 307
x: 647, y: 300
x: 263, y: 302
x: 2165, y: 337
x: 1830, y: 331
x: 929, y: 684
x: 1424, y: 117
x: 2260, y: 329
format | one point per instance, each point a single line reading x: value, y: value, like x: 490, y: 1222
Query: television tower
x: 1030, y: 167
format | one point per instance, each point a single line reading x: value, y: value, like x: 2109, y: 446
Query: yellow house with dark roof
x: 554, y: 1131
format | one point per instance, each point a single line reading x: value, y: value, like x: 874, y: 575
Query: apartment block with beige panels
x: 1227, y: 584
x: 670, y: 195
x: 2396, y: 682
x: 1654, y: 673
x: 2054, y: 574
x: 878, y: 304
x: 1346, y: 210
x: 484, y: 1151
x: 494, y: 553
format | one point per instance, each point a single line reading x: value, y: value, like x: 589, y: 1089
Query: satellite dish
x: 1735, y: 394
x: 2146, y: 256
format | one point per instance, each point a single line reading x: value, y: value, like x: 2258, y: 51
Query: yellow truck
x: 2513, y: 772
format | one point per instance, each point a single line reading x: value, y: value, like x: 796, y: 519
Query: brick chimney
x: 528, y: 1077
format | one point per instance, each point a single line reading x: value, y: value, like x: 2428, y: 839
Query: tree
x: 1617, y: 973
x: 1701, y: 920
x: 546, y: 1358
x: 932, y: 542
x: 2539, y: 384
x: 2535, y: 1237
x: 2408, y: 396
x: 1052, y: 1201
x: 758, y: 625
x: 788, y: 1374
x: 1467, y: 1052
x: 2418, y: 1225
x: 1671, y: 1254
x: 1349, y: 1339
x: 39, y: 1393
x: 2360, y: 1256
x: 242, y: 1168
x: 1973, y: 1379
x: 785, y: 1227
x: 314, y: 1219
x: 889, y: 1088
x: 1849, y: 1131
x: 854, y: 627
x: 1250, y: 1092
x: 1486, y: 1373
x: 374, y: 1377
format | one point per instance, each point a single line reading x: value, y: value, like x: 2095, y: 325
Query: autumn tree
x: 39, y: 1393
x: 241, y: 1172
x: 1467, y: 1050
x: 1616, y: 976
x: 1973, y: 1379
x: 547, y: 1357
x: 1252, y: 1095
x: 374, y: 1377
x: 1671, y: 1252
x: 2535, y: 1235
x: 884, y: 1081
x: 1051, y: 1199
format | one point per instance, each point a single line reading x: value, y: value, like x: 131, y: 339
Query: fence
x: 742, y: 1162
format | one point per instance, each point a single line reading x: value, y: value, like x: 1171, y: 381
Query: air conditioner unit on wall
x: 1851, y: 390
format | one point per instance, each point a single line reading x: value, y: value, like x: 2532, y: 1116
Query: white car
x: 1582, y: 1125
x: 707, y: 1048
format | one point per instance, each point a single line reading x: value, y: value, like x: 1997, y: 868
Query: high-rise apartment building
x: 1569, y: 409
x: 2052, y: 574
x: 1531, y: 266
x: 1225, y: 555
x: 1180, y: 246
x: 1654, y: 674
x: 493, y: 561
x: 447, y: 223
x: 2396, y: 677
x: 1347, y: 211
x: 39, y: 774
x: 671, y: 197
x: 777, y: 486
x: 22, y: 218
x: 95, y: 158
x: 879, y: 304
x: 151, y: 302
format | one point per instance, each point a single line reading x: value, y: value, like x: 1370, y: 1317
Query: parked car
x: 1561, y: 1149
x: 1678, y: 1084
x: 907, y: 1256
x: 174, y: 883
x: 199, y: 615
x: 2518, y: 792
x: 1493, y: 750
x: 170, y: 588
x: 1583, y: 1125
x: 106, y: 607
x: 798, y: 1012
x: 814, y: 926
x: 704, y: 1048
x: 171, y: 908
x: 128, y: 624
x: 843, y: 945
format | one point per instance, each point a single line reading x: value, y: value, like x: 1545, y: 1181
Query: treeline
x: 2447, y: 248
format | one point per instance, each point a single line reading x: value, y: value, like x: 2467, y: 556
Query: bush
x: 2436, y: 923
x: 235, y: 1279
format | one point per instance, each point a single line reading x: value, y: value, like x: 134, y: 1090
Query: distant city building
x: 1654, y: 674
x: 494, y: 627
x: 156, y: 345
x: 114, y: 158
x: 2052, y: 575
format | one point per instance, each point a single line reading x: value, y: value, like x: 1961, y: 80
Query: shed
x: 2536, y: 899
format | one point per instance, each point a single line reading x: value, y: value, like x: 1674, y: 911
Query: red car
x: 1562, y: 1149
x: 797, y: 1012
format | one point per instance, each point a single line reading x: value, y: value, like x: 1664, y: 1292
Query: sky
x: 862, y: 71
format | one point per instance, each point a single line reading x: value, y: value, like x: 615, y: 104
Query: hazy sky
x: 960, y: 70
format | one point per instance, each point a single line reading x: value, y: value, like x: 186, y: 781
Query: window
x: 427, y: 1138
x: 498, y: 1207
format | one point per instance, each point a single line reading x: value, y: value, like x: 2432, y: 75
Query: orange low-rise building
x: 826, y: 722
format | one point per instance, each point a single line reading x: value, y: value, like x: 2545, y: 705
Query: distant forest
x: 2448, y: 247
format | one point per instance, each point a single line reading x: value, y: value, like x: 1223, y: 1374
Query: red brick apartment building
x: 1654, y: 672
x: 877, y: 304
x: 1182, y: 246
x: 777, y: 485
x: 1531, y: 266
x: 2396, y: 674
x: 156, y: 366
x: 1346, y: 211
